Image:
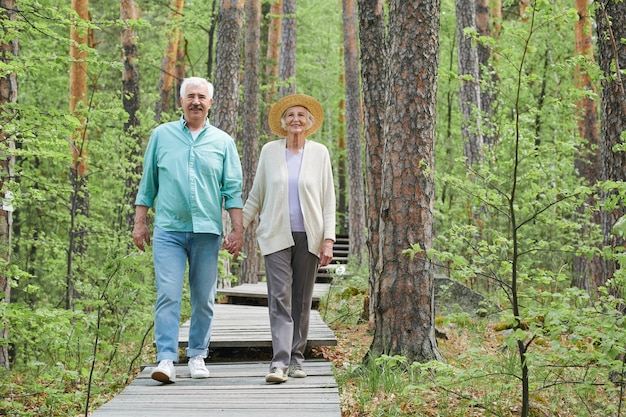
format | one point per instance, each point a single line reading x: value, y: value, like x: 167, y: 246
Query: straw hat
x: 279, y: 108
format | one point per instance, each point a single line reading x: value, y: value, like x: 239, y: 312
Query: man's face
x: 196, y: 103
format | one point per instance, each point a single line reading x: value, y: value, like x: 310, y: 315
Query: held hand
x: 326, y: 254
x: 141, y: 234
x: 233, y: 243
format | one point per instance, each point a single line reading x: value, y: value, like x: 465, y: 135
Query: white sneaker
x: 164, y: 372
x: 276, y: 375
x: 197, y: 368
x: 296, y: 371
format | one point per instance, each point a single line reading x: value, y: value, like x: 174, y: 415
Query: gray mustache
x: 195, y: 107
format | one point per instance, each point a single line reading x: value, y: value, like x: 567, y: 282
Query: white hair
x: 195, y: 81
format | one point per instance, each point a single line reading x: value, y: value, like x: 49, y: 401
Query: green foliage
x: 513, y: 221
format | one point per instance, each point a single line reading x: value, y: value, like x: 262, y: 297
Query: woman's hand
x: 326, y: 254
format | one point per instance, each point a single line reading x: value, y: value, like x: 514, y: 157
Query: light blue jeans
x: 172, y: 251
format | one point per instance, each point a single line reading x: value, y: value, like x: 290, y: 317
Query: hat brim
x: 280, y: 107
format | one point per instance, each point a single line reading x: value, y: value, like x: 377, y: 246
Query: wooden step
x: 249, y: 326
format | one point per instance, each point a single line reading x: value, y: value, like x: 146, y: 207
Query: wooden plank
x: 256, y: 294
x: 249, y: 326
x: 259, y: 290
x: 235, y: 389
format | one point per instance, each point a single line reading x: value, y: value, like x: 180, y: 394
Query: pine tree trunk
x: 485, y: 71
x: 611, y: 27
x: 250, y: 132
x: 226, y: 97
x: 373, y: 52
x: 130, y: 101
x: 288, y: 48
x: 8, y: 95
x: 79, y: 199
x: 356, y: 228
x: 168, y: 62
x: 404, y: 310
x: 273, y: 50
x: 469, y: 92
x: 588, y: 162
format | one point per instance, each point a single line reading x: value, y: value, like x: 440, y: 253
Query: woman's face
x: 296, y: 120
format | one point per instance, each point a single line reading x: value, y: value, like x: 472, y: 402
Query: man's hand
x: 233, y: 243
x: 141, y: 233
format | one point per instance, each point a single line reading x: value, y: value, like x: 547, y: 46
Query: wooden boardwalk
x: 256, y: 294
x: 249, y: 326
x: 235, y: 389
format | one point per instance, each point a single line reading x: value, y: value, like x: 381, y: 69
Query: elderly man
x: 191, y: 171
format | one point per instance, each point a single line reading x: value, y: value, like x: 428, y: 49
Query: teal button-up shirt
x: 189, y: 181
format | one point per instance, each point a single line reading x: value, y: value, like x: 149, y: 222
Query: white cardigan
x: 270, y: 200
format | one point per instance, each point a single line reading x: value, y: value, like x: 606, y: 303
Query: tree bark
x: 168, y: 62
x: 288, y: 49
x: 79, y: 199
x: 486, y: 75
x: 372, y: 36
x: 469, y: 91
x: 226, y: 96
x: 250, y: 133
x: 356, y: 228
x: 273, y: 50
x: 78, y: 85
x: 611, y: 27
x: 8, y: 95
x: 588, y: 161
x: 130, y: 101
x: 404, y: 311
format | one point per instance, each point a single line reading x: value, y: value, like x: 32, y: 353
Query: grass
x: 479, y: 376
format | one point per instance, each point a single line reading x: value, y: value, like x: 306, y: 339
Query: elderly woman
x: 294, y: 195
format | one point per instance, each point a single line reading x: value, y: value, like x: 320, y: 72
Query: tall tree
x: 79, y: 199
x: 486, y: 74
x: 404, y: 309
x: 211, y: 34
x: 611, y: 27
x: 372, y: 35
x: 469, y: 92
x: 250, y: 132
x: 9, y: 48
x: 356, y: 228
x: 168, y: 62
x: 273, y: 50
x: 130, y: 101
x: 79, y: 34
x: 586, y: 271
x: 225, y: 108
x: 288, y: 49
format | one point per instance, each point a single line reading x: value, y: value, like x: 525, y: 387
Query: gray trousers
x: 290, y: 276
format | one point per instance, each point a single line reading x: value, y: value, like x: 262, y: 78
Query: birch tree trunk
x: 8, y: 95
x: 356, y: 204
